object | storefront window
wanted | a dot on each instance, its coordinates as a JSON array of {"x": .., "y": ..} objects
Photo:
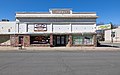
[
  {"x": 77, "y": 40},
  {"x": 88, "y": 40},
  {"x": 82, "y": 40},
  {"x": 39, "y": 39}
]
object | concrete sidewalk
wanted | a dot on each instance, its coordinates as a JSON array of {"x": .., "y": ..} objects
[
  {"x": 73, "y": 48},
  {"x": 61, "y": 48},
  {"x": 118, "y": 42}
]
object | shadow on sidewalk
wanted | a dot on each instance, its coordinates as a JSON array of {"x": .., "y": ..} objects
[{"x": 107, "y": 46}]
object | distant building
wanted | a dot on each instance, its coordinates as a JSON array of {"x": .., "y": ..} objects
[
  {"x": 6, "y": 30},
  {"x": 112, "y": 35},
  {"x": 100, "y": 30},
  {"x": 58, "y": 27}
]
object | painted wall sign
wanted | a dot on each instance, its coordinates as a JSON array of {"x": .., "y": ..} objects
[{"x": 40, "y": 27}]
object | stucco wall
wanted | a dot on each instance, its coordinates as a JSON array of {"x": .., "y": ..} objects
[
  {"x": 59, "y": 28},
  {"x": 83, "y": 27},
  {"x": 62, "y": 25},
  {"x": 116, "y": 38},
  {"x": 7, "y": 27}
]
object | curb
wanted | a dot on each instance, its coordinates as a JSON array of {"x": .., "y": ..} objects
[{"x": 59, "y": 49}]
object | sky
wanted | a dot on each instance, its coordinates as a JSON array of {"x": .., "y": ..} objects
[{"x": 107, "y": 10}]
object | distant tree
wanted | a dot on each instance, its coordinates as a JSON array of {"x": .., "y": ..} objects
[{"x": 114, "y": 26}]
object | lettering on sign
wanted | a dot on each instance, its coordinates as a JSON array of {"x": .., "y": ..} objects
[
  {"x": 40, "y": 27},
  {"x": 60, "y": 11},
  {"x": 104, "y": 27}
]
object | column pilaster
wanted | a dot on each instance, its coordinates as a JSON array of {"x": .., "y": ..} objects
[{"x": 51, "y": 40}]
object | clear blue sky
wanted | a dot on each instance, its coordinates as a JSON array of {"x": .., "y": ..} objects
[{"x": 107, "y": 10}]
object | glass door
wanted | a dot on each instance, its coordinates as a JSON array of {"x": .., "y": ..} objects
[
  {"x": 60, "y": 40},
  {"x": 21, "y": 40}
]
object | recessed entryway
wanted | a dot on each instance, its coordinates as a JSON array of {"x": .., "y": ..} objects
[{"x": 59, "y": 40}]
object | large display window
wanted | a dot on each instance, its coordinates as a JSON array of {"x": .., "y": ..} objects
[
  {"x": 88, "y": 40},
  {"x": 40, "y": 39},
  {"x": 82, "y": 40},
  {"x": 77, "y": 40}
]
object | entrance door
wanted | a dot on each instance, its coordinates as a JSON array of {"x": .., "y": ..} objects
[
  {"x": 60, "y": 40},
  {"x": 21, "y": 40}
]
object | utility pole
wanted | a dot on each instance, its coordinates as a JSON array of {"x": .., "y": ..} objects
[{"x": 111, "y": 33}]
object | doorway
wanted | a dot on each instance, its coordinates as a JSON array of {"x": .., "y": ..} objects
[
  {"x": 21, "y": 40},
  {"x": 59, "y": 40}
]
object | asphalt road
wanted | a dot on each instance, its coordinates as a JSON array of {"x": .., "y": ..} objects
[{"x": 60, "y": 63}]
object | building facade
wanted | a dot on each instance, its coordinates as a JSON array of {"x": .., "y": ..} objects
[
  {"x": 6, "y": 30},
  {"x": 58, "y": 27},
  {"x": 112, "y": 35}
]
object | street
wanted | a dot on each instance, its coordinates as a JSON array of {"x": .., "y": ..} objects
[{"x": 60, "y": 63}]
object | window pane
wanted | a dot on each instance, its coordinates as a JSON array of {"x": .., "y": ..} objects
[
  {"x": 77, "y": 40},
  {"x": 39, "y": 39},
  {"x": 76, "y": 43},
  {"x": 62, "y": 40},
  {"x": 58, "y": 39},
  {"x": 81, "y": 40},
  {"x": 88, "y": 40}
]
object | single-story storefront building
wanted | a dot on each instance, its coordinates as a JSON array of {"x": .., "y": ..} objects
[{"x": 112, "y": 35}]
